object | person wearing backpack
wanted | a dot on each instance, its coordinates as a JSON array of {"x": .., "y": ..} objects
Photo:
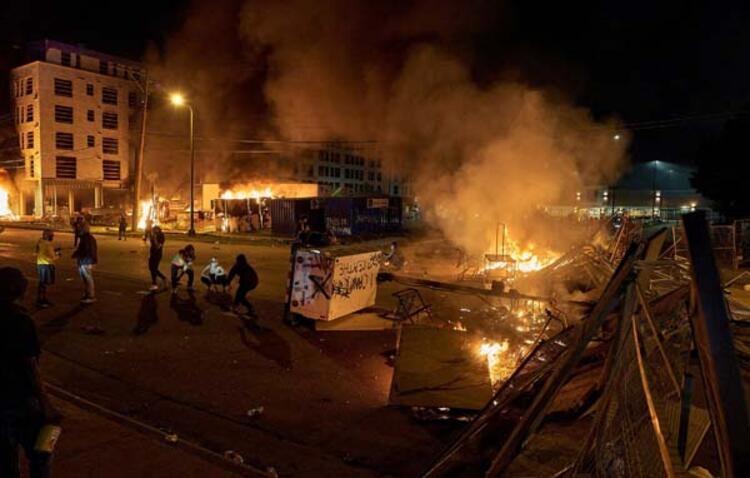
[{"x": 248, "y": 280}]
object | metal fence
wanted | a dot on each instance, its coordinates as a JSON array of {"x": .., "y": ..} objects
[{"x": 636, "y": 428}]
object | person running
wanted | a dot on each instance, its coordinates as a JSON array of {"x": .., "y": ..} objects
[
  {"x": 122, "y": 228},
  {"x": 46, "y": 254},
  {"x": 24, "y": 405},
  {"x": 182, "y": 263},
  {"x": 213, "y": 275},
  {"x": 86, "y": 257},
  {"x": 248, "y": 280},
  {"x": 155, "y": 254}
]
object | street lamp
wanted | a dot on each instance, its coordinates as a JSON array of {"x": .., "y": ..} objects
[{"x": 178, "y": 100}]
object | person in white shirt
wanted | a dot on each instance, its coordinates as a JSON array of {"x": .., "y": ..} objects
[{"x": 214, "y": 275}]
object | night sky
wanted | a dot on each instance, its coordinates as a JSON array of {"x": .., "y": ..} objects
[{"x": 640, "y": 61}]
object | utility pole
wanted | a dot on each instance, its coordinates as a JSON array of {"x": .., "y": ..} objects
[{"x": 139, "y": 161}]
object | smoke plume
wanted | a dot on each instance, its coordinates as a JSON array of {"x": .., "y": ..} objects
[{"x": 419, "y": 78}]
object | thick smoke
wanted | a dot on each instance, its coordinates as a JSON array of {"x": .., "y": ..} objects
[
  {"x": 480, "y": 152},
  {"x": 414, "y": 76}
]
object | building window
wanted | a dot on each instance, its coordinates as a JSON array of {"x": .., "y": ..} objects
[
  {"x": 63, "y": 87},
  {"x": 65, "y": 167},
  {"x": 90, "y": 142},
  {"x": 110, "y": 146},
  {"x": 111, "y": 170},
  {"x": 89, "y": 89},
  {"x": 31, "y": 167},
  {"x": 132, "y": 99},
  {"x": 109, "y": 96},
  {"x": 29, "y": 140},
  {"x": 64, "y": 114},
  {"x": 78, "y": 60},
  {"x": 65, "y": 58},
  {"x": 29, "y": 85},
  {"x": 29, "y": 113},
  {"x": 109, "y": 120},
  {"x": 64, "y": 140},
  {"x": 103, "y": 67},
  {"x": 90, "y": 115}
]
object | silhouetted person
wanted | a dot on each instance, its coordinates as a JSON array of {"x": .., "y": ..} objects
[
  {"x": 86, "y": 257},
  {"x": 77, "y": 224},
  {"x": 24, "y": 406},
  {"x": 122, "y": 227},
  {"x": 248, "y": 280},
  {"x": 155, "y": 253}
]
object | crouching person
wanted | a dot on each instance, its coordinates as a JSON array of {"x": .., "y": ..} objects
[
  {"x": 213, "y": 275},
  {"x": 182, "y": 264},
  {"x": 248, "y": 280}
]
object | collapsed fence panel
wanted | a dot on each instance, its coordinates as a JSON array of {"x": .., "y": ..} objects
[{"x": 714, "y": 343}]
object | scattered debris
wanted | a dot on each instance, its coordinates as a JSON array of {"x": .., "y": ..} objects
[
  {"x": 234, "y": 457},
  {"x": 254, "y": 412}
]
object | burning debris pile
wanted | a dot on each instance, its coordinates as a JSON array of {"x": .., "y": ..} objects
[{"x": 624, "y": 346}]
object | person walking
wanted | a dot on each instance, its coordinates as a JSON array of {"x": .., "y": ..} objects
[
  {"x": 182, "y": 264},
  {"x": 213, "y": 275},
  {"x": 122, "y": 228},
  {"x": 86, "y": 257},
  {"x": 248, "y": 280},
  {"x": 24, "y": 406},
  {"x": 46, "y": 254},
  {"x": 155, "y": 254}
]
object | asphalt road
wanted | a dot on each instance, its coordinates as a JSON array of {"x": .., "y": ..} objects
[{"x": 183, "y": 364}]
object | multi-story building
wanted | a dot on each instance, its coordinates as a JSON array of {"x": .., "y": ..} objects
[
  {"x": 348, "y": 169},
  {"x": 73, "y": 110}
]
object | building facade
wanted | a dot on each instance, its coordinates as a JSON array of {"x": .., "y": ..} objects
[
  {"x": 74, "y": 110},
  {"x": 348, "y": 169}
]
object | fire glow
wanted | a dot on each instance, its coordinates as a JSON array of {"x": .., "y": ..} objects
[
  {"x": 4, "y": 203},
  {"x": 146, "y": 211},
  {"x": 525, "y": 260},
  {"x": 250, "y": 193}
]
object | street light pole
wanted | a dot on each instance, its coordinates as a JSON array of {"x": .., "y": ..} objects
[
  {"x": 178, "y": 100},
  {"x": 191, "y": 231}
]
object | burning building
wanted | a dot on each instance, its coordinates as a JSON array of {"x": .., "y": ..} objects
[{"x": 72, "y": 110}]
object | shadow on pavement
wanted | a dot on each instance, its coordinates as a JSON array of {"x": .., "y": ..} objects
[
  {"x": 148, "y": 314},
  {"x": 59, "y": 323},
  {"x": 223, "y": 300},
  {"x": 187, "y": 309},
  {"x": 266, "y": 342}
]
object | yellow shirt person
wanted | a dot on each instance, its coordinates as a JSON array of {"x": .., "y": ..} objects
[{"x": 45, "y": 252}]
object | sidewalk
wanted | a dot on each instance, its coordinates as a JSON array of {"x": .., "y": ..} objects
[{"x": 94, "y": 446}]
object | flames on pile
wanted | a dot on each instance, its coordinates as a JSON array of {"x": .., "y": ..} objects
[{"x": 245, "y": 192}]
